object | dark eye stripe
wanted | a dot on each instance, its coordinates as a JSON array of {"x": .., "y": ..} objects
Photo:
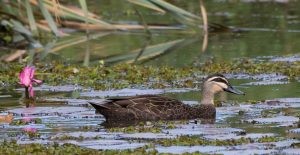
[{"x": 220, "y": 80}]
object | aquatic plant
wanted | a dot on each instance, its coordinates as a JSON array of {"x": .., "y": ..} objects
[
  {"x": 79, "y": 138},
  {"x": 128, "y": 75},
  {"x": 25, "y": 121},
  {"x": 136, "y": 129},
  {"x": 13, "y": 148},
  {"x": 196, "y": 140},
  {"x": 26, "y": 79}
]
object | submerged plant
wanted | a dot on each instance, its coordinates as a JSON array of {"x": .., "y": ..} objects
[{"x": 26, "y": 79}]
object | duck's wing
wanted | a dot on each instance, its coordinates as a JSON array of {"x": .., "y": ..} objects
[{"x": 153, "y": 106}]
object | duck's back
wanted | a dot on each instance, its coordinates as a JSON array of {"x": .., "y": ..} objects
[{"x": 143, "y": 107}]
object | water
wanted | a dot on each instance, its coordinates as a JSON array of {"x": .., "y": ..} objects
[
  {"x": 270, "y": 107},
  {"x": 268, "y": 29},
  {"x": 64, "y": 119}
]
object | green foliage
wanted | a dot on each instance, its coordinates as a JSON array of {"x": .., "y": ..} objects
[
  {"x": 12, "y": 148},
  {"x": 136, "y": 129},
  {"x": 23, "y": 122},
  {"x": 128, "y": 75},
  {"x": 196, "y": 140},
  {"x": 79, "y": 138}
]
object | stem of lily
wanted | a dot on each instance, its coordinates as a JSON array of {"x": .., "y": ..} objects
[{"x": 26, "y": 93}]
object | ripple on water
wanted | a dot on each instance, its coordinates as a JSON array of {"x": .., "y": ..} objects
[
  {"x": 234, "y": 136},
  {"x": 293, "y": 58},
  {"x": 291, "y": 151},
  {"x": 88, "y": 135},
  {"x": 248, "y": 152},
  {"x": 259, "y": 83},
  {"x": 106, "y": 144},
  {"x": 189, "y": 149},
  {"x": 261, "y": 77},
  {"x": 48, "y": 110},
  {"x": 294, "y": 130},
  {"x": 277, "y": 119},
  {"x": 288, "y": 100},
  {"x": 64, "y": 88},
  {"x": 146, "y": 136},
  {"x": 195, "y": 129},
  {"x": 227, "y": 111},
  {"x": 294, "y": 133},
  {"x": 74, "y": 102},
  {"x": 259, "y": 148}
]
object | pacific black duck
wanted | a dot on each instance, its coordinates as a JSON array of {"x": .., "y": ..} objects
[{"x": 155, "y": 107}]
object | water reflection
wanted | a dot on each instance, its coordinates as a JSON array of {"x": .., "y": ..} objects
[{"x": 258, "y": 31}]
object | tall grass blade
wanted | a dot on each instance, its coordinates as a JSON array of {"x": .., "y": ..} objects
[
  {"x": 205, "y": 26},
  {"x": 174, "y": 9},
  {"x": 75, "y": 41},
  {"x": 47, "y": 49},
  {"x": 30, "y": 57},
  {"x": 149, "y": 52},
  {"x": 87, "y": 47},
  {"x": 147, "y": 4},
  {"x": 179, "y": 14},
  {"x": 30, "y": 16},
  {"x": 69, "y": 13},
  {"x": 49, "y": 18},
  {"x": 7, "y": 7},
  {"x": 148, "y": 35},
  {"x": 18, "y": 27},
  {"x": 204, "y": 16}
]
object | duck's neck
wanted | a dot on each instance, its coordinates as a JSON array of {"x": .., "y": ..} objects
[{"x": 207, "y": 97}]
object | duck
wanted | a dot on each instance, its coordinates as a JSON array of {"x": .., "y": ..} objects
[{"x": 156, "y": 107}]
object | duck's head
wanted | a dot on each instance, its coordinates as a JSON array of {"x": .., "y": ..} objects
[{"x": 217, "y": 83}]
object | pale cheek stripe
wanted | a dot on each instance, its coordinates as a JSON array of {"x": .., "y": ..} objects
[{"x": 222, "y": 85}]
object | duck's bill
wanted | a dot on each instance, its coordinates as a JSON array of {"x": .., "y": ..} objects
[{"x": 234, "y": 91}]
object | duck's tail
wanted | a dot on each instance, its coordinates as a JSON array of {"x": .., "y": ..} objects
[{"x": 99, "y": 106}]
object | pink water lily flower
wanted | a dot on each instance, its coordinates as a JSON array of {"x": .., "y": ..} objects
[{"x": 27, "y": 80}]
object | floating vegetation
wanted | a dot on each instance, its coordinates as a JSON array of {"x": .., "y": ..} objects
[
  {"x": 79, "y": 138},
  {"x": 134, "y": 129},
  {"x": 26, "y": 121},
  {"x": 128, "y": 75},
  {"x": 153, "y": 127},
  {"x": 196, "y": 140},
  {"x": 14, "y": 148}
]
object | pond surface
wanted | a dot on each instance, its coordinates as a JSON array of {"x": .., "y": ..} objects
[
  {"x": 267, "y": 28},
  {"x": 270, "y": 108},
  {"x": 62, "y": 115}
]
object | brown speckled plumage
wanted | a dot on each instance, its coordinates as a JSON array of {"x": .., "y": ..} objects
[{"x": 154, "y": 107}]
